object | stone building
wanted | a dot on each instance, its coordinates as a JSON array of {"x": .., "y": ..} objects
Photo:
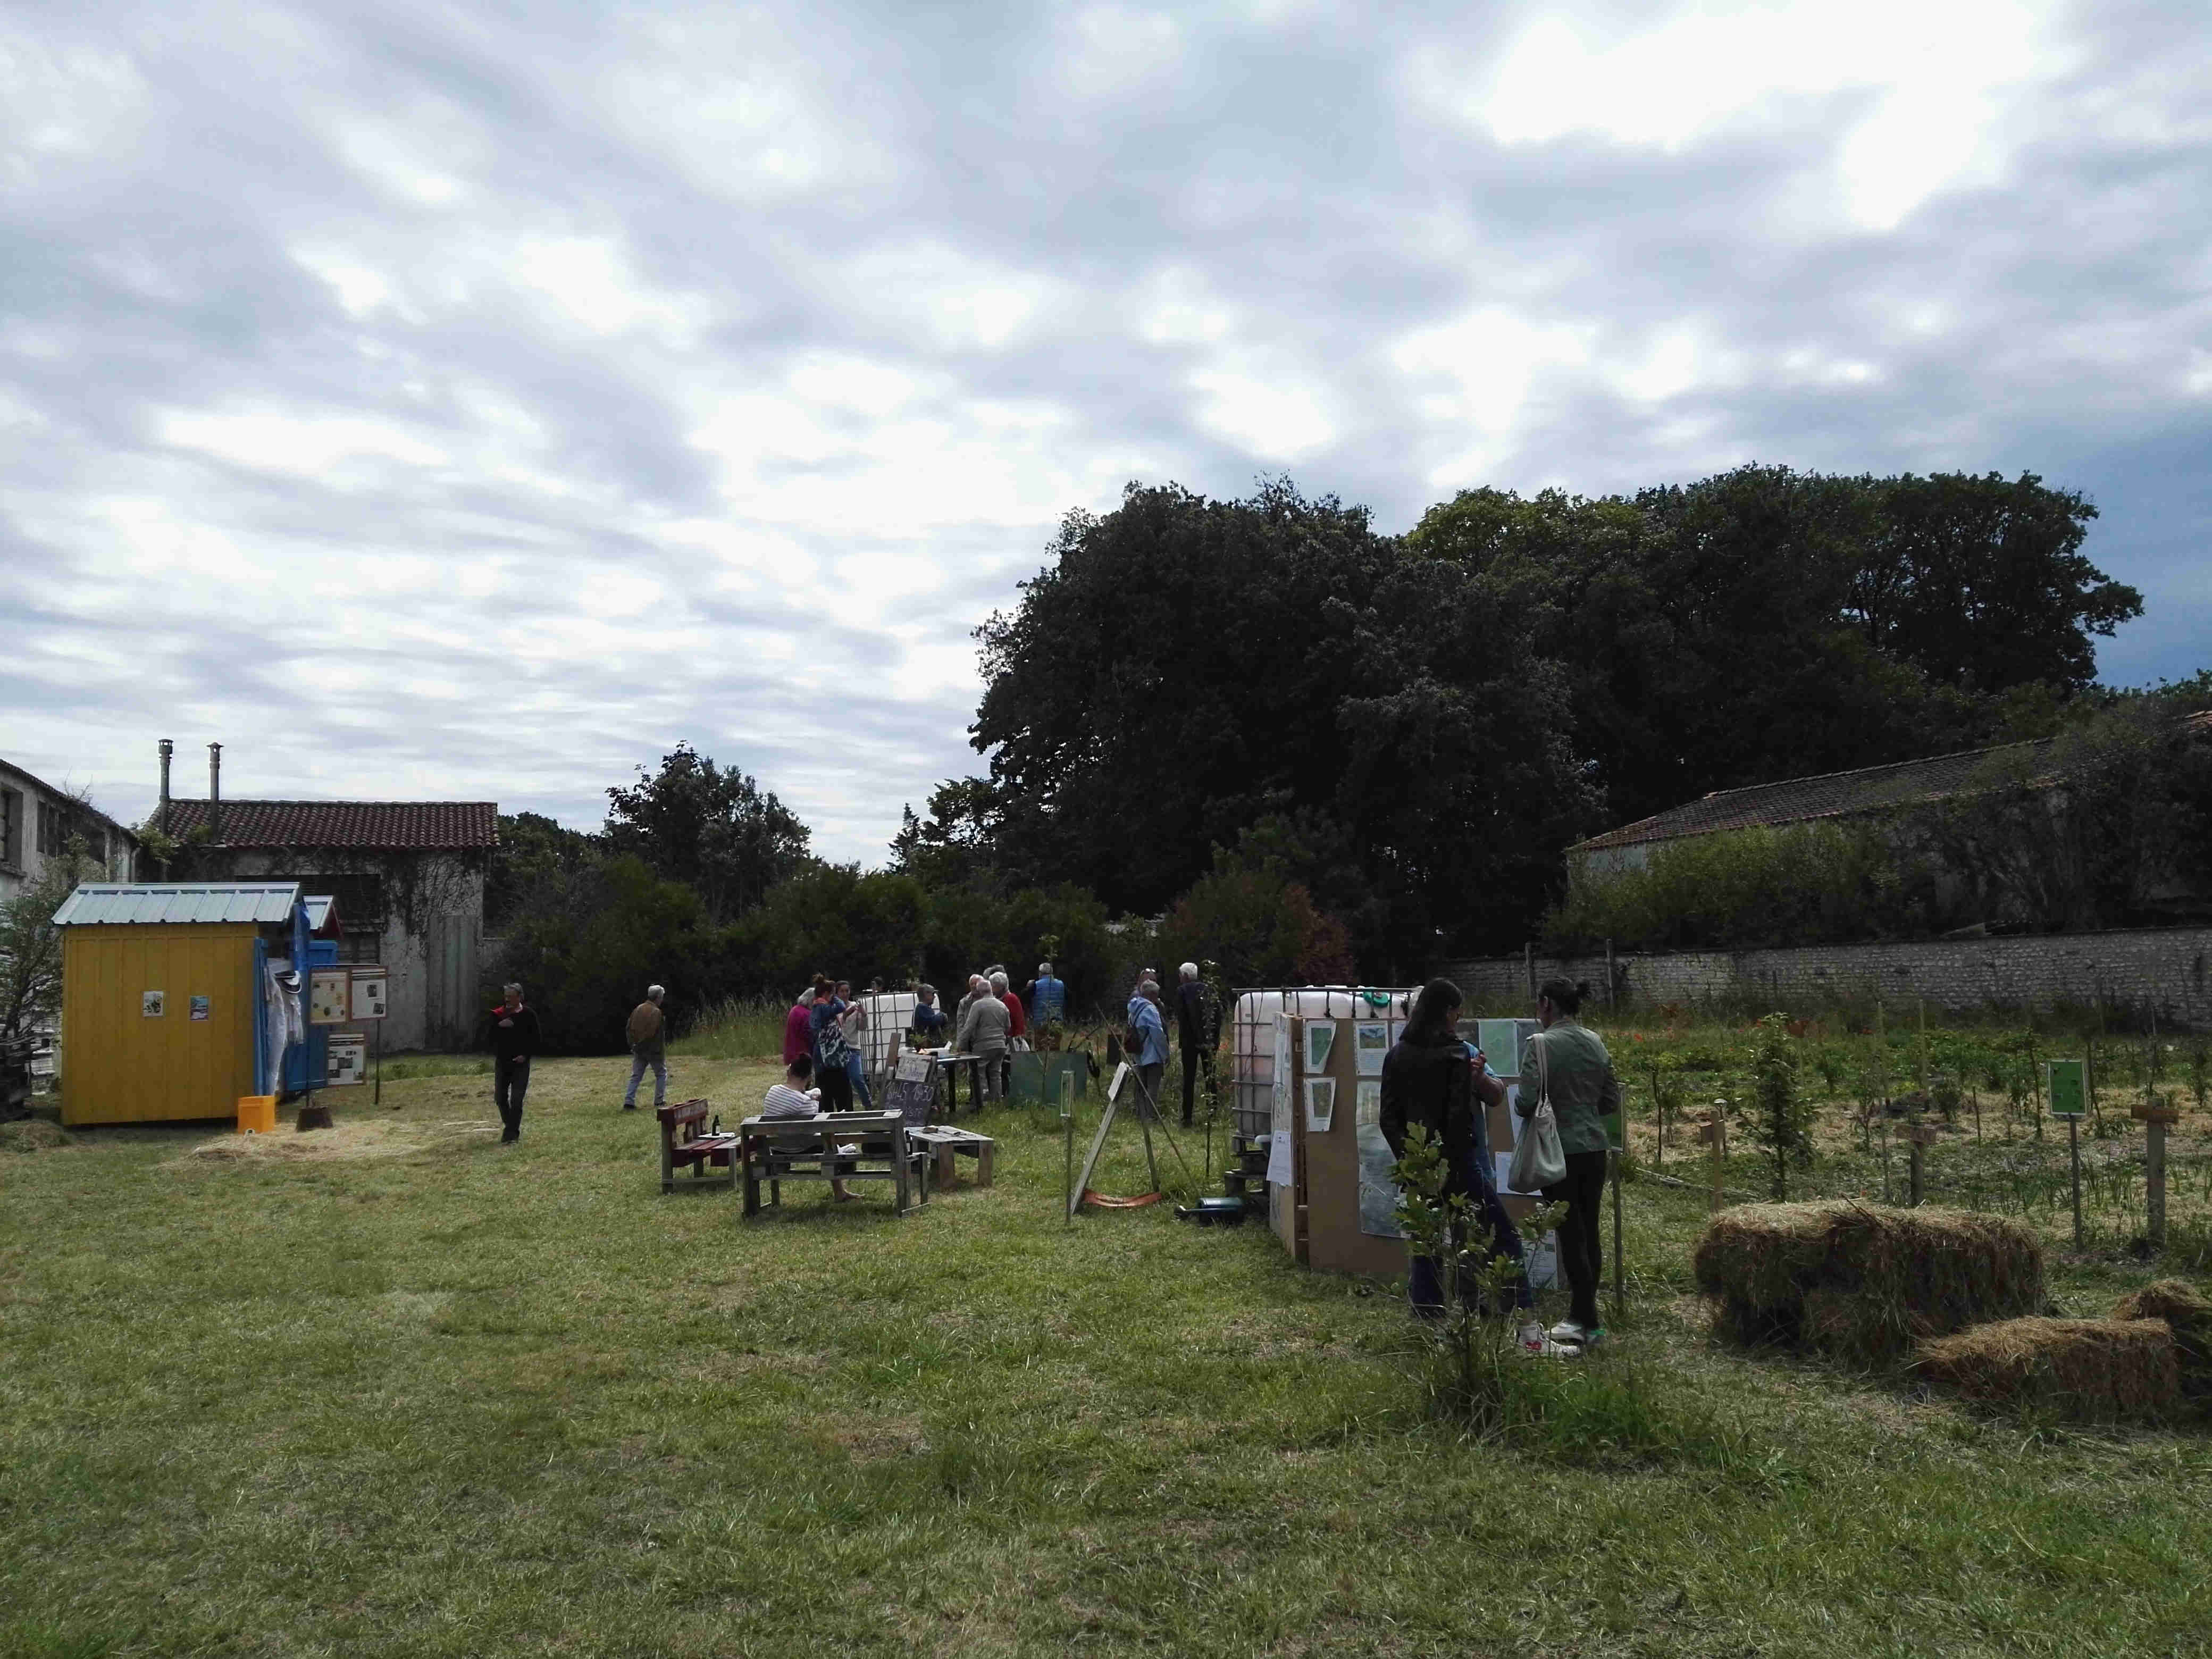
[
  {"x": 36, "y": 824},
  {"x": 408, "y": 878}
]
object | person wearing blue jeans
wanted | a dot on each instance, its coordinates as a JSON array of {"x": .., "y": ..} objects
[
  {"x": 854, "y": 1019},
  {"x": 649, "y": 1046}
]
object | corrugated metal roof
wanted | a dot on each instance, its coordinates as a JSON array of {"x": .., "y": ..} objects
[{"x": 152, "y": 902}]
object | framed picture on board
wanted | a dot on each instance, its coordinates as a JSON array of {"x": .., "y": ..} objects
[{"x": 1370, "y": 1045}]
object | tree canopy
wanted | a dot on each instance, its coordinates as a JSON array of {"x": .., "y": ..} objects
[
  {"x": 712, "y": 828},
  {"x": 1413, "y": 728}
]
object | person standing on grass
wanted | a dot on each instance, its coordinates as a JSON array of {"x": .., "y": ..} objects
[
  {"x": 855, "y": 1018},
  {"x": 1566, "y": 1062},
  {"x": 1193, "y": 1027},
  {"x": 514, "y": 1041},
  {"x": 830, "y": 1049},
  {"x": 799, "y": 1028},
  {"x": 1017, "y": 1026},
  {"x": 793, "y": 1097},
  {"x": 1432, "y": 1078},
  {"x": 649, "y": 1046},
  {"x": 1151, "y": 1059},
  {"x": 983, "y": 1031},
  {"x": 976, "y": 988},
  {"x": 1048, "y": 997}
]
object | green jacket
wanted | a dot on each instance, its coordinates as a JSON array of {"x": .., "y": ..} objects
[{"x": 1569, "y": 1062}]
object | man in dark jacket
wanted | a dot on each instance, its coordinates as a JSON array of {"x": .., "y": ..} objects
[
  {"x": 514, "y": 1041},
  {"x": 1197, "y": 1031},
  {"x": 649, "y": 1046}
]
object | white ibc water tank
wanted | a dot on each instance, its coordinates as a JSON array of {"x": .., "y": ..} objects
[{"x": 1252, "y": 1035}]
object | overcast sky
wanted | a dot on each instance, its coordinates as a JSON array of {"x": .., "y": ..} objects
[{"x": 473, "y": 401}]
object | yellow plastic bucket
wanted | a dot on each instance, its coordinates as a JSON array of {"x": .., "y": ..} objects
[{"x": 257, "y": 1114}]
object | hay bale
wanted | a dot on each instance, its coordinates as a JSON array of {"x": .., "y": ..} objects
[
  {"x": 1864, "y": 1281},
  {"x": 2097, "y": 1370},
  {"x": 2189, "y": 1314},
  {"x": 33, "y": 1134}
]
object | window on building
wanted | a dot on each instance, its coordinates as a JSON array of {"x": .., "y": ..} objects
[
  {"x": 11, "y": 828},
  {"x": 50, "y": 828},
  {"x": 360, "y": 898}
]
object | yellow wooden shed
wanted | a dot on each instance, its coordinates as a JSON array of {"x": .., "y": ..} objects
[{"x": 162, "y": 1001}]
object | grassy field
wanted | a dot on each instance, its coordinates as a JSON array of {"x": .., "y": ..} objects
[{"x": 398, "y": 1390}]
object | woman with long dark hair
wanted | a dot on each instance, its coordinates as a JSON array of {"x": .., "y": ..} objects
[
  {"x": 1433, "y": 1078},
  {"x": 1568, "y": 1065}
]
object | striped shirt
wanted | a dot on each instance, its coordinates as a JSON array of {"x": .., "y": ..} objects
[{"x": 784, "y": 1101}]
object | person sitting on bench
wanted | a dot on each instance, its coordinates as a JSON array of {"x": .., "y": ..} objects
[{"x": 793, "y": 1099}]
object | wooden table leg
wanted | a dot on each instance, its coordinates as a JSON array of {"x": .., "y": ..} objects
[{"x": 983, "y": 1164}]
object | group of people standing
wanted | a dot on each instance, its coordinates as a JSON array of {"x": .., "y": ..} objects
[
  {"x": 830, "y": 1028},
  {"x": 1433, "y": 1077},
  {"x": 1197, "y": 1031}
]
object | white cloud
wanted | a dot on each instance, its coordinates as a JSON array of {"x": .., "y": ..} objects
[
  {"x": 1927, "y": 79},
  {"x": 308, "y": 445},
  {"x": 773, "y": 341},
  {"x": 1108, "y": 52},
  {"x": 1274, "y": 419}
]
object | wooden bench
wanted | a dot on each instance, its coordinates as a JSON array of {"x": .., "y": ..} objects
[
  {"x": 776, "y": 1150},
  {"x": 682, "y": 1141},
  {"x": 942, "y": 1144}
]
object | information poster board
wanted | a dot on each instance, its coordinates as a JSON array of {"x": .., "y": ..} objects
[
  {"x": 330, "y": 996},
  {"x": 346, "y": 1060},
  {"x": 370, "y": 992}
]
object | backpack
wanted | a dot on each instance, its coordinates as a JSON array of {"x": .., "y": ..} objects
[{"x": 830, "y": 1040}]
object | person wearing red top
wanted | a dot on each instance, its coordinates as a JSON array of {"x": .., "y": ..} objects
[
  {"x": 1017, "y": 1025},
  {"x": 798, "y": 1028}
]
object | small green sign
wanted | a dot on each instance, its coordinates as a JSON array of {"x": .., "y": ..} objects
[{"x": 2067, "y": 1081}]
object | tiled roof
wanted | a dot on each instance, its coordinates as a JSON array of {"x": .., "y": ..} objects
[
  {"x": 98, "y": 902},
  {"x": 1840, "y": 794},
  {"x": 368, "y": 826},
  {"x": 1831, "y": 795}
]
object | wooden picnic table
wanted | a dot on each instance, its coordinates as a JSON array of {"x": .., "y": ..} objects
[
  {"x": 776, "y": 1150},
  {"x": 942, "y": 1144}
]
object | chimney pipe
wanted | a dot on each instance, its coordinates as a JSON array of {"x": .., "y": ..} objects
[
  {"x": 162, "y": 819},
  {"x": 214, "y": 794}
]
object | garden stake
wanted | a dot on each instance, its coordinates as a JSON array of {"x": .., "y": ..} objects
[
  {"x": 1912, "y": 1164},
  {"x": 1619, "y": 1277},
  {"x": 1067, "y": 1136},
  {"x": 2074, "y": 1152}
]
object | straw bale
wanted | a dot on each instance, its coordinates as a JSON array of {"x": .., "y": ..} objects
[
  {"x": 1883, "y": 1277},
  {"x": 2100, "y": 1369},
  {"x": 2189, "y": 1313}
]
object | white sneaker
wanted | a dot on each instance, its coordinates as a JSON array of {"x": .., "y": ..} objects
[{"x": 1567, "y": 1331}]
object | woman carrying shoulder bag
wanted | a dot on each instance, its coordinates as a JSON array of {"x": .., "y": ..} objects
[
  {"x": 1432, "y": 1078},
  {"x": 1568, "y": 1065}
]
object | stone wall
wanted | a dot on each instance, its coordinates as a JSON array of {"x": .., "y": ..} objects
[{"x": 2166, "y": 969}]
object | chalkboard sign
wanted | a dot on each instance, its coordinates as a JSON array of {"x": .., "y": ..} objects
[{"x": 913, "y": 1089}]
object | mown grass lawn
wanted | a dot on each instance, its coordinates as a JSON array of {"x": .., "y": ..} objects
[{"x": 441, "y": 1397}]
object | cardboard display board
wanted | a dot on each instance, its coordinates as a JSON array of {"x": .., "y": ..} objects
[{"x": 1338, "y": 1210}]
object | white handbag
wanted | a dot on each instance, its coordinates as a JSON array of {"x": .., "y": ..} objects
[{"x": 1539, "y": 1160}]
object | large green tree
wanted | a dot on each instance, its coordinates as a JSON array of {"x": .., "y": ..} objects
[
  {"x": 1185, "y": 668},
  {"x": 1766, "y": 623},
  {"x": 712, "y": 828}
]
